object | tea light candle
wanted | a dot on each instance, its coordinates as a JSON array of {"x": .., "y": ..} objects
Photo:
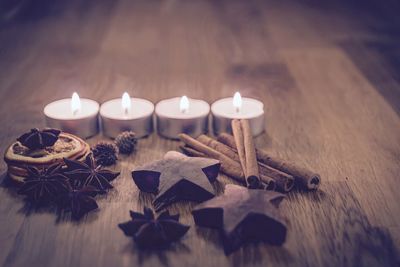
[
  {"x": 73, "y": 115},
  {"x": 236, "y": 107},
  {"x": 182, "y": 115},
  {"x": 127, "y": 114}
]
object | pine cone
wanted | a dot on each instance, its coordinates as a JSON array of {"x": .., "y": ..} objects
[
  {"x": 105, "y": 153},
  {"x": 126, "y": 142}
]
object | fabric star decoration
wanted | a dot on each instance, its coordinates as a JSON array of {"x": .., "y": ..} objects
[
  {"x": 87, "y": 173},
  {"x": 243, "y": 215},
  {"x": 149, "y": 232},
  {"x": 44, "y": 184},
  {"x": 177, "y": 177},
  {"x": 79, "y": 201},
  {"x": 36, "y": 139}
]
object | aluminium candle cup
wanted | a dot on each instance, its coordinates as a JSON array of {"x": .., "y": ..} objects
[
  {"x": 84, "y": 123},
  {"x": 171, "y": 121},
  {"x": 138, "y": 119},
  {"x": 223, "y": 112}
]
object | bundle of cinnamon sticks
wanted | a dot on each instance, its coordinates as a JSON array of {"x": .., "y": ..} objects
[{"x": 242, "y": 161}]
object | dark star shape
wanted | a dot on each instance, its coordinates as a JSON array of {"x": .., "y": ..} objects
[
  {"x": 88, "y": 173},
  {"x": 44, "y": 184},
  {"x": 243, "y": 216},
  {"x": 178, "y": 177},
  {"x": 79, "y": 201},
  {"x": 150, "y": 232},
  {"x": 36, "y": 139}
]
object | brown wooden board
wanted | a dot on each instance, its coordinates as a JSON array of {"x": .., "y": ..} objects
[{"x": 331, "y": 104}]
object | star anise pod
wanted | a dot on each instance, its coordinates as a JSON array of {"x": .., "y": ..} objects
[
  {"x": 36, "y": 139},
  {"x": 148, "y": 231},
  {"x": 44, "y": 184},
  {"x": 79, "y": 201},
  {"x": 88, "y": 173}
]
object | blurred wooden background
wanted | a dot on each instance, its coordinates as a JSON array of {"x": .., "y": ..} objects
[{"x": 328, "y": 74}]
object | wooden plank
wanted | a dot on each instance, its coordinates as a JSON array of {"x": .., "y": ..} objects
[
  {"x": 337, "y": 231},
  {"x": 353, "y": 138},
  {"x": 321, "y": 111}
]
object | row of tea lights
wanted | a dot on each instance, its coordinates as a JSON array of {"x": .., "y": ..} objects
[{"x": 173, "y": 116}]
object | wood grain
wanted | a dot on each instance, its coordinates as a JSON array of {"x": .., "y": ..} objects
[{"x": 326, "y": 72}]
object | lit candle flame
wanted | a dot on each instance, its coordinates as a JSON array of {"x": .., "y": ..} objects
[
  {"x": 75, "y": 103},
  {"x": 184, "y": 104},
  {"x": 237, "y": 101},
  {"x": 126, "y": 103}
]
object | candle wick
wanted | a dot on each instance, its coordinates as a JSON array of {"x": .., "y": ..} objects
[{"x": 237, "y": 109}]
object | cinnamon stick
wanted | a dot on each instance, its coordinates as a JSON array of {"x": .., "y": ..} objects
[
  {"x": 192, "y": 152},
  {"x": 220, "y": 147},
  {"x": 284, "y": 181},
  {"x": 245, "y": 147},
  {"x": 227, "y": 139},
  {"x": 266, "y": 183},
  {"x": 303, "y": 176},
  {"x": 228, "y": 166},
  {"x": 239, "y": 142},
  {"x": 252, "y": 171}
]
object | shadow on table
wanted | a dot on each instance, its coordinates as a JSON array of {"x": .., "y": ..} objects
[
  {"x": 250, "y": 253},
  {"x": 10, "y": 186},
  {"x": 314, "y": 196},
  {"x": 163, "y": 254},
  {"x": 28, "y": 208}
]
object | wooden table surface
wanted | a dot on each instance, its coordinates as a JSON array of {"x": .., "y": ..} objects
[{"x": 327, "y": 73}]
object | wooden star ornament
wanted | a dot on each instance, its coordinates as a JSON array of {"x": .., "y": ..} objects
[
  {"x": 243, "y": 215},
  {"x": 177, "y": 177}
]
